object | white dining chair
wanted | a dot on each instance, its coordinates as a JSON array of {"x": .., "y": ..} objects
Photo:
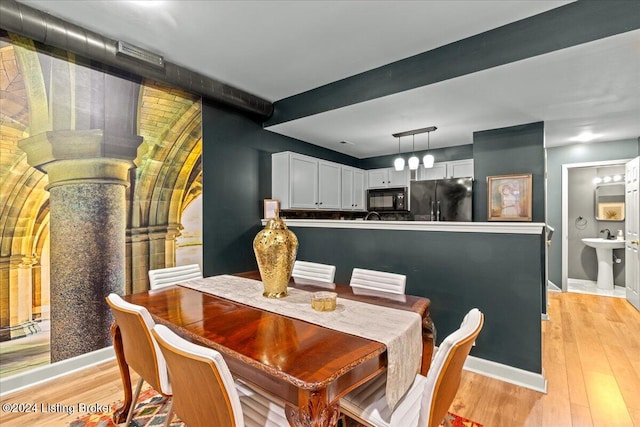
[
  {"x": 162, "y": 277},
  {"x": 314, "y": 271},
  {"x": 378, "y": 281},
  {"x": 429, "y": 398},
  {"x": 205, "y": 393},
  {"x": 141, "y": 350}
]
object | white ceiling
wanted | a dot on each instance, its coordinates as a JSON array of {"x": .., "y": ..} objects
[{"x": 275, "y": 49}]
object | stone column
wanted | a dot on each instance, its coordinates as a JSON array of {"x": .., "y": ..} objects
[
  {"x": 149, "y": 248},
  {"x": 87, "y": 225},
  {"x": 16, "y": 317}
]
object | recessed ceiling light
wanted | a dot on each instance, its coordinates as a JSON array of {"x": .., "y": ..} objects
[
  {"x": 585, "y": 137},
  {"x": 147, "y": 3}
]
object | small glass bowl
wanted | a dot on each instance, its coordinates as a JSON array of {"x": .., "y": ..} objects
[{"x": 323, "y": 301}]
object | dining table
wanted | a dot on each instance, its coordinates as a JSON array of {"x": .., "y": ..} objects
[{"x": 307, "y": 366}]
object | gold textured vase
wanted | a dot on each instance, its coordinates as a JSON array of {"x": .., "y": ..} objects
[{"x": 275, "y": 247}]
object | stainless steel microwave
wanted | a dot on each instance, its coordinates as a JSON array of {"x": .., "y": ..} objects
[{"x": 387, "y": 199}]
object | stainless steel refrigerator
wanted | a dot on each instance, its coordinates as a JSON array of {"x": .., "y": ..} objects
[{"x": 441, "y": 199}]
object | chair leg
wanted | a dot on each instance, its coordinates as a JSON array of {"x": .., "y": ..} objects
[
  {"x": 134, "y": 401},
  {"x": 167, "y": 423}
]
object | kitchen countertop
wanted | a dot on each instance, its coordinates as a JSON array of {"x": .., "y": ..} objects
[{"x": 449, "y": 226}]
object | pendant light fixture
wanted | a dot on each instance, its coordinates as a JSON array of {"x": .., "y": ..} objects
[
  {"x": 428, "y": 159},
  {"x": 414, "y": 162},
  {"x": 398, "y": 163}
]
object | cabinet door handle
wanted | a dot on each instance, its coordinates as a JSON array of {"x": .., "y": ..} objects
[{"x": 320, "y": 202}]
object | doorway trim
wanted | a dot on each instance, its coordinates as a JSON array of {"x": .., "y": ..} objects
[{"x": 565, "y": 208}]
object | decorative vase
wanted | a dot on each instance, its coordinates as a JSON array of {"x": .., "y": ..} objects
[{"x": 275, "y": 247}]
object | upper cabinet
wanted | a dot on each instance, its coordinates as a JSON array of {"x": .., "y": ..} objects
[
  {"x": 452, "y": 169},
  {"x": 329, "y": 185},
  {"x": 387, "y": 178},
  {"x": 303, "y": 182},
  {"x": 352, "y": 189}
]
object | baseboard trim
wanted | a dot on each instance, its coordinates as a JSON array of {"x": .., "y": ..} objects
[
  {"x": 506, "y": 373},
  {"x": 36, "y": 376},
  {"x": 584, "y": 282},
  {"x": 551, "y": 287}
]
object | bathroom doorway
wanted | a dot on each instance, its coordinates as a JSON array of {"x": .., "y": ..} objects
[{"x": 580, "y": 219}]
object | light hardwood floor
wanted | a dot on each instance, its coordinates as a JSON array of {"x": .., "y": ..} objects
[{"x": 591, "y": 358}]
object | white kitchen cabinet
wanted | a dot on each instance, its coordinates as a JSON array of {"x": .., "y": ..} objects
[
  {"x": 452, "y": 169},
  {"x": 303, "y": 182},
  {"x": 329, "y": 185},
  {"x": 387, "y": 178},
  {"x": 438, "y": 171},
  {"x": 352, "y": 189},
  {"x": 460, "y": 168}
]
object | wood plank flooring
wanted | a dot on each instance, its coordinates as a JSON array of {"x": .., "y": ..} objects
[{"x": 591, "y": 358}]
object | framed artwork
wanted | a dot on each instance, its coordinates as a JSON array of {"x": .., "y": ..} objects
[
  {"x": 611, "y": 211},
  {"x": 509, "y": 197},
  {"x": 271, "y": 208}
]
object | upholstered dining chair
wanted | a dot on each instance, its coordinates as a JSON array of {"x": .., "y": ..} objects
[
  {"x": 162, "y": 277},
  {"x": 314, "y": 271},
  {"x": 429, "y": 398},
  {"x": 205, "y": 393},
  {"x": 378, "y": 281},
  {"x": 140, "y": 348}
]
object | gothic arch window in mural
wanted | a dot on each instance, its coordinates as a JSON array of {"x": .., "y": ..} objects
[
  {"x": 128, "y": 221},
  {"x": 189, "y": 243}
]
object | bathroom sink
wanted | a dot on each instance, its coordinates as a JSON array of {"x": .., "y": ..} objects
[
  {"x": 600, "y": 243},
  {"x": 604, "y": 252}
]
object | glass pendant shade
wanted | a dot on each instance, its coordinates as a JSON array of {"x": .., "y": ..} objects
[
  {"x": 414, "y": 162},
  {"x": 398, "y": 163},
  {"x": 428, "y": 160}
]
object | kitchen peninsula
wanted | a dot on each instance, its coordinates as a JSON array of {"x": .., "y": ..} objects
[{"x": 497, "y": 267}]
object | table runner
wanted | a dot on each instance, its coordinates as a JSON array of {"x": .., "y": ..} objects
[{"x": 399, "y": 330}]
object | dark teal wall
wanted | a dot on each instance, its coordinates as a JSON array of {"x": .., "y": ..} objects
[
  {"x": 501, "y": 274},
  {"x": 236, "y": 177},
  {"x": 511, "y": 150},
  {"x": 577, "y": 153},
  {"x": 456, "y": 270}
]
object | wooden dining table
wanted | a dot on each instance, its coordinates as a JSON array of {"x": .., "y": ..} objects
[{"x": 308, "y": 366}]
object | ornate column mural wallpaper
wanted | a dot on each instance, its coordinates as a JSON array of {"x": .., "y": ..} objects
[{"x": 98, "y": 168}]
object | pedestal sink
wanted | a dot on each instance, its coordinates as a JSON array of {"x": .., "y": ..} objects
[{"x": 604, "y": 251}]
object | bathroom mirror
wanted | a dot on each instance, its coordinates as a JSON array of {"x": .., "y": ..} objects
[{"x": 610, "y": 202}]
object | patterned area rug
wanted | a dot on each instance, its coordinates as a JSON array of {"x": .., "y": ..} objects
[{"x": 151, "y": 411}]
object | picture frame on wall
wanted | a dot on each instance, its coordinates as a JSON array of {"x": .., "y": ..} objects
[
  {"x": 271, "y": 208},
  {"x": 613, "y": 211},
  {"x": 509, "y": 197}
]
